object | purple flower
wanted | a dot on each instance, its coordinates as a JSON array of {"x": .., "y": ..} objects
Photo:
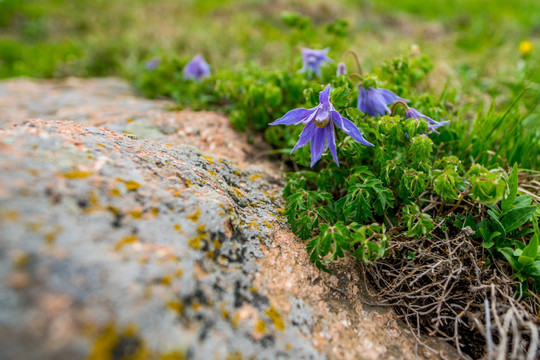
[
  {"x": 153, "y": 63},
  {"x": 313, "y": 59},
  {"x": 374, "y": 102},
  {"x": 412, "y": 113},
  {"x": 319, "y": 129},
  {"x": 341, "y": 69},
  {"x": 196, "y": 69}
]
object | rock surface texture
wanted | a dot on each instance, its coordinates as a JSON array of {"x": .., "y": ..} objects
[{"x": 128, "y": 231}]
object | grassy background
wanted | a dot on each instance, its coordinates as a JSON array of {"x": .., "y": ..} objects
[{"x": 474, "y": 45}]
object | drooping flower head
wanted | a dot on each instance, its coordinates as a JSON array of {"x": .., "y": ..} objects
[
  {"x": 153, "y": 63},
  {"x": 319, "y": 127},
  {"x": 375, "y": 101},
  {"x": 196, "y": 69},
  {"x": 412, "y": 113},
  {"x": 313, "y": 60},
  {"x": 341, "y": 69}
]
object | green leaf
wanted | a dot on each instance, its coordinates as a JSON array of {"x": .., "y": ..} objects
[
  {"x": 508, "y": 253},
  {"x": 530, "y": 252},
  {"x": 506, "y": 203},
  {"x": 516, "y": 217}
]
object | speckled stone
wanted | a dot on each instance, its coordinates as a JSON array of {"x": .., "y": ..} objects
[{"x": 123, "y": 246}]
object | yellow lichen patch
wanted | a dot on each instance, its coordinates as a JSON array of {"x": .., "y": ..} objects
[
  {"x": 288, "y": 346},
  {"x": 281, "y": 211},
  {"x": 102, "y": 145},
  {"x": 276, "y": 318},
  {"x": 238, "y": 194},
  {"x": 195, "y": 216},
  {"x": 131, "y": 185},
  {"x": 166, "y": 280},
  {"x": 130, "y": 120},
  {"x": 255, "y": 177},
  {"x": 196, "y": 241},
  {"x": 137, "y": 213},
  {"x": 208, "y": 158},
  {"x": 236, "y": 172},
  {"x": 253, "y": 225},
  {"x": 260, "y": 326},
  {"x": 154, "y": 211},
  {"x": 34, "y": 172},
  {"x": 21, "y": 260},
  {"x": 267, "y": 224},
  {"x": 178, "y": 228},
  {"x": 236, "y": 320},
  {"x": 224, "y": 311},
  {"x": 127, "y": 240},
  {"x": 115, "y": 192},
  {"x": 76, "y": 174},
  {"x": 212, "y": 172},
  {"x": 179, "y": 273},
  {"x": 113, "y": 210},
  {"x": 12, "y": 215},
  {"x": 176, "y": 306},
  {"x": 235, "y": 355},
  {"x": 94, "y": 200},
  {"x": 196, "y": 306},
  {"x": 174, "y": 355},
  {"x": 35, "y": 227},
  {"x": 109, "y": 339},
  {"x": 217, "y": 244},
  {"x": 50, "y": 237}
]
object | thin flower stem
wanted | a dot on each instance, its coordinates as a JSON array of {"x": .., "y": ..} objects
[
  {"x": 358, "y": 76},
  {"x": 355, "y": 59},
  {"x": 398, "y": 103},
  {"x": 294, "y": 50}
]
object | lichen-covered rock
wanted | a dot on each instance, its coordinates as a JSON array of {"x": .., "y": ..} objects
[{"x": 117, "y": 247}]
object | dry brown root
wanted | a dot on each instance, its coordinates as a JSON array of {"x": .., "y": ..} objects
[{"x": 446, "y": 291}]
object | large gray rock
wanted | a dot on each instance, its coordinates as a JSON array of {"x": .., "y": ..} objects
[{"x": 118, "y": 247}]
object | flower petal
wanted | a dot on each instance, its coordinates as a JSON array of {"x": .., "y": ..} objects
[
  {"x": 317, "y": 145},
  {"x": 389, "y": 96},
  {"x": 305, "y": 136},
  {"x": 371, "y": 102},
  {"x": 349, "y": 128},
  {"x": 331, "y": 141},
  {"x": 324, "y": 96},
  {"x": 293, "y": 117}
]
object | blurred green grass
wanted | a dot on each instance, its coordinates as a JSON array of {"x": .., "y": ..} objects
[
  {"x": 473, "y": 44},
  {"x": 98, "y": 37}
]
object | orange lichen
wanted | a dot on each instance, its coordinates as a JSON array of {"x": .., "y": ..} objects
[{"x": 178, "y": 228}]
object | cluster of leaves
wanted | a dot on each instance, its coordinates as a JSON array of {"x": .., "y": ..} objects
[{"x": 405, "y": 184}]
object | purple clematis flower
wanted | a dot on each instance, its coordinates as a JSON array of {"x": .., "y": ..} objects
[
  {"x": 374, "y": 102},
  {"x": 319, "y": 129},
  {"x": 313, "y": 59},
  {"x": 412, "y": 113},
  {"x": 341, "y": 69},
  {"x": 153, "y": 64},
  {"x": 196, "y": 69}
]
